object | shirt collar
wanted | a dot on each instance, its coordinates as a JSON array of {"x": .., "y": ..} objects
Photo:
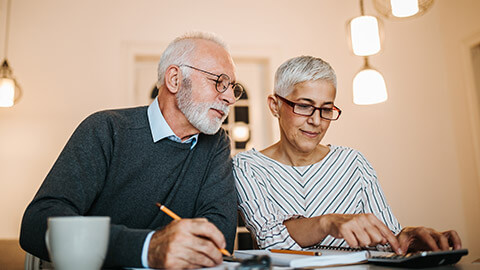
[{"x": 160, "y": 128}]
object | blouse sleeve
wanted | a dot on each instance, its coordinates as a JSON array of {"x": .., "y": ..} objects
[
  {"x": 374, "y": 200},
  {"x": 261, "y": 216}
]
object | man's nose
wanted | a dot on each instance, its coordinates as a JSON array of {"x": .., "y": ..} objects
[{"x": 228, "y": 96}]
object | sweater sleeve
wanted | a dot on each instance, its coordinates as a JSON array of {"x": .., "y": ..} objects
[
  {"x": 262, "y": 217},
  {"x": 71, "y": 187},
  {"x": 374, "y": 200},
  {"x": 217, "y": 200}
]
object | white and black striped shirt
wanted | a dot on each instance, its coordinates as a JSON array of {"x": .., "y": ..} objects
[{"x": 270, "y": 192}]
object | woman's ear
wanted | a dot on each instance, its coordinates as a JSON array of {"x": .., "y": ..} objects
[
  {"x": 173, "y": 77},
  {"x": 272, "y": 101}
]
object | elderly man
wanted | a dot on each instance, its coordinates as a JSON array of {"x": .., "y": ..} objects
[{"x": 119, "y": 163}]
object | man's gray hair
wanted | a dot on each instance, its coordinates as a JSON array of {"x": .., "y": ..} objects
[
  {"x": 179, "y": 52},
  {"x": 302, "y": 69}
]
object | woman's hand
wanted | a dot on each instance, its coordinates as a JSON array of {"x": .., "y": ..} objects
[
  {"x": 359, "y": 230},
  {"x": 421, "y": 238}
]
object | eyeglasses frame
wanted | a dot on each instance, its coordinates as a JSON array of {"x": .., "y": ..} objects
[
  {"x": 292, "y": 104},
  {"x": 217, "y": 81}
]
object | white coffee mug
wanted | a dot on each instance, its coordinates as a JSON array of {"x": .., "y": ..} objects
[{"x": 77, "y": 242}]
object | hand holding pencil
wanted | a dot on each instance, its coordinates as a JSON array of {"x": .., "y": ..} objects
[
  {"x": 186, "y": 243},
  {"x": 176, "y": 217}
]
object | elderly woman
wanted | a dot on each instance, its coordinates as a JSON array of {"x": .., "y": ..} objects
[{"x": 299, "y": 193}]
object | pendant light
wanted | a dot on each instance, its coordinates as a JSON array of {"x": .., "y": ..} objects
[
  {"x": 402, "y": 9},
  {"x": 369, "y": 86},
  {"x": 364, "y": 34},
  {"x": 10, "y": 91}
]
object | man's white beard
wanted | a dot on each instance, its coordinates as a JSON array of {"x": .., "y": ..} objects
[{"x": 197, "y": 113}]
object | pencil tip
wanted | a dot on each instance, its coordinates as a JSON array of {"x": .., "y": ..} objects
[
  {"x": 225, "y": 252},
  {"x": 158, "y": 204}
]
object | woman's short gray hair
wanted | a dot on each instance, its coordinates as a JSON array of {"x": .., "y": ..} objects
[
  {"x": 179, "y": 52},
  {"x": 302, "y": 69}
]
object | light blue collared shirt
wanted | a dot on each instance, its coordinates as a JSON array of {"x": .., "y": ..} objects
[{"x": 160, "y": 130}]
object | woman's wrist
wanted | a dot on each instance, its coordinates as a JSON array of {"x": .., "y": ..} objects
[{"x": 323, "y": 226}]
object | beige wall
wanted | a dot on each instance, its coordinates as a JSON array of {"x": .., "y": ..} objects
[{"x": 71, "y": 58}]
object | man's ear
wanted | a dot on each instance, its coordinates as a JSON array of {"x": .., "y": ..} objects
[
  {"x": 273, "y": 105},
  {"x": 173, "y": 77}
]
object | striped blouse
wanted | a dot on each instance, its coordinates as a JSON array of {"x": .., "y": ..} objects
[{"x": 270, "y": 192}]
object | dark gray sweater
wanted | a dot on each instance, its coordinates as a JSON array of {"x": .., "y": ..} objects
[{"x": 111, "y": 167}]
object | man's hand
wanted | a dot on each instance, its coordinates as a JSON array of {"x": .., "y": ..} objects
[
  {"x": 360, "y": 230},
  {"x": 421, "y": 238},
  {"x": 186, "y": 243}
]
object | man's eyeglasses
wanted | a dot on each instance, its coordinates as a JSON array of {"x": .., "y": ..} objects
[
  {"x": 222, "y": 82},
  {"x": 309, "y": 110}
]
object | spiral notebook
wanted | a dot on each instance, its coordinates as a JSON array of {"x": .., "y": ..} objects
[
  {"x": 333, "y": 256},
  {"x": 326, "y": 257}
]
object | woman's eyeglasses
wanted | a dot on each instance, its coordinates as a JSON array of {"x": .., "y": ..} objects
[{"x": 308, "y": 110}]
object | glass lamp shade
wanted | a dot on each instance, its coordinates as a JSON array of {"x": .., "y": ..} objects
[
  {"x": 240, "y": 132},
  {"x": 404, "y": 8},
  {"x": 365, "y": 35},
  {"x": 369, "y": 87},
  {"x": 7, "y": 92},
  {"x": 10, "y": 91}
]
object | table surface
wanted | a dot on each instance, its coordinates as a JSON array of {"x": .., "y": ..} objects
[
  {"x": 458, "y": 266},
  {"x": 461, "y": 266}
]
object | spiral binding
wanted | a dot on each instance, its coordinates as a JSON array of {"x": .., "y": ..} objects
[
  {"x": 335, "y": 248},
  {"x": 378, "y": 247}
]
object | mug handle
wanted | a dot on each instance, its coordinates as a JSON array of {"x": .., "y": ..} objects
[{"x": 47, "y": 242}]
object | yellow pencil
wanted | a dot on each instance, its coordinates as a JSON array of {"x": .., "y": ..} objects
[
  {"x": 168, "y": 212},
  {"x": 299, "y": 252},
  {"x": 176, "y": 217}
]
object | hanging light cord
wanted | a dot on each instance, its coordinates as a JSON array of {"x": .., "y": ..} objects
[
  {"x": 365, "y": 62},
  {"x": 7, "y": 28},
  {"x": 362, "y": 13},
  {"x": 362, "y": 9}
]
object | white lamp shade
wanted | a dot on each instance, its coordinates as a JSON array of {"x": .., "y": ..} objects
[
  {"x": 240, "y": 132},
  {"x": 369, "y": 87},
  {"x": 365, "y": 36},
  {"x": 404, "y": 8},
  {"x": 7, "y": 92}
]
